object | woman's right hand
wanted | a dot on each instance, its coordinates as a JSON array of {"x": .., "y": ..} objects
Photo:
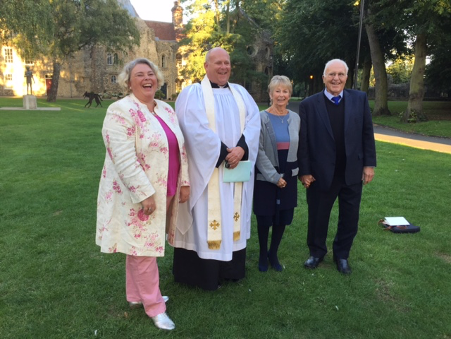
[
  {"x": 281, "y": 183},
  {"x": 184, "y": 193},
  {"x": 149, "y": 205}
]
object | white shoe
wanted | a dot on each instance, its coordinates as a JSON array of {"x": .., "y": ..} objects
[
  {"x": 163, "y": 322},
  {"x": 139, "y": 304}
]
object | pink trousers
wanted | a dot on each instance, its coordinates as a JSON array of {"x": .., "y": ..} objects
[
  {"x": 143, "y": 284},
  {"x": 142, "y": 281}
]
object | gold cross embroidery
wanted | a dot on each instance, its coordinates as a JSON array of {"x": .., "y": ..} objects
[
  {"x": 214, "y": 224},
  {"x": 236, "y": 216}
]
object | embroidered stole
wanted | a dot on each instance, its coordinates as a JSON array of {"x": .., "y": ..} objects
[{"x": 214, "y": 199}]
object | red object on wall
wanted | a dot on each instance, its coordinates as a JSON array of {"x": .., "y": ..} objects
[{"x": 48, "y": 84}]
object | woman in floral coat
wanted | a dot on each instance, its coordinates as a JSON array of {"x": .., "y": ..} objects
[{"x": 144, "y": 178}]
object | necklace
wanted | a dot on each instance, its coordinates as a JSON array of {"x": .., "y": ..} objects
[{"x": 280, "y": 116}]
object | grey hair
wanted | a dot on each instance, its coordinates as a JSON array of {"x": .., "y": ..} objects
[
  {"x": 335, "y": 60},
  {"x": 124, "y": 76},
  {"x": 280, "y": 80}
]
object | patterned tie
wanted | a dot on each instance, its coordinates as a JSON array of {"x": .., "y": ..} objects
[{"x": 336, "y": 100}]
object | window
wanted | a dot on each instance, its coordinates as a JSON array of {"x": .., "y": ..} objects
[
  {"x": 8, "y": 55},
  {"x": 113, "y": 79},
  {"x": 109, "y": 59},
  {"x": 163, "y": 61},
  {"x": 8, "y": 81}
]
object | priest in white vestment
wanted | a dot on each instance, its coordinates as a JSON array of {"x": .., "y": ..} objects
[{"x": 221, "y": 125}]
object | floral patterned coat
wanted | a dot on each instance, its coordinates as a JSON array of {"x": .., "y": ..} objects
[{"x": 136, "y": 167}]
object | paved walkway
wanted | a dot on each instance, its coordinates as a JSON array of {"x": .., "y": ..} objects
[
  {"x": 413, "y": 140},
  {"x": 386, "y": 134}
]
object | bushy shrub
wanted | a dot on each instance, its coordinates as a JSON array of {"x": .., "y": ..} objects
[{"x": 159, "y": 95}]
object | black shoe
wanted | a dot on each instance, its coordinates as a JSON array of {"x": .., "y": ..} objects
[
  {"x": 275, "y": 264},
  {"x": 312, "y": 262},
  {"x": 343, "y": 266},
  {"x": 263, "y": 267},
  {"x": 263, "y": 263}
]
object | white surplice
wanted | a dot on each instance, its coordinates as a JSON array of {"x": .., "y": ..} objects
[{"x": 203, "y": 147}]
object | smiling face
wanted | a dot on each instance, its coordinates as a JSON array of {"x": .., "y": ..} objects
[
  {"x": 218, "y": 66},
  {"x": 335, "y": 78},
  {"x": 280, "y": 96},
  {"x": 143, "y": 83}
]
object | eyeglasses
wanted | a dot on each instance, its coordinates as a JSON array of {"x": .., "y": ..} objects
[{"x": 340, "y": 75}]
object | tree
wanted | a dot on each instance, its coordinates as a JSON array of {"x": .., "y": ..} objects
[
  {"x": 401, "y": 69},
  {"x": 198, "y": 41},
  {"x": 378, "y": 60},
  {"x": 59, "y": 28},
  {"x": 423, "y": 21},
  {"x": 310, "y": 33},
  {"x": 430, "y": 18},
  {"x": 387, "y": 42},
  {"x": 226, "y": 24},
  {"x": 438, "y": 72}
]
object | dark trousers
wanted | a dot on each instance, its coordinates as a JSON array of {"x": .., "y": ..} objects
[{"x": 320, "y": 204}]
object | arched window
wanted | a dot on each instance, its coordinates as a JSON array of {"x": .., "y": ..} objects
[
  {"x": 163, "y": 61},
  {"x": 116, "y": 59},
  {"x": 109, "y": 59},
  {"x": 113, "y": 79}
]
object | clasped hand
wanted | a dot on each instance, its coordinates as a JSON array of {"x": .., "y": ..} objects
[
  {"x": 234, "y": 157},
  {"x": 307, "y": 180}
]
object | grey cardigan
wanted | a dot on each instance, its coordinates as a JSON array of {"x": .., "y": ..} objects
[{"x": 267, "y": 158}]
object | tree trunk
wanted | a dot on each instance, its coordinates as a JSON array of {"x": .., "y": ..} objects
[
  {"x": 366, "y": 72},
  {"x": 51, "y": 97},
  {"x": 377, "y": 58},
  {"x": 350, "y": 81},
  {"x": 217, "y": 15},
  {"x": 414, "y": 112},
  {"x": 228, "y": 17}
]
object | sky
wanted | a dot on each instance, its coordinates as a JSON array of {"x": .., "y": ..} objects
[{"x": 154, "y": 10}]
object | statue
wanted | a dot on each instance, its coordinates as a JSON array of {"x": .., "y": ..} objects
[{"x": 29, "y": 76}]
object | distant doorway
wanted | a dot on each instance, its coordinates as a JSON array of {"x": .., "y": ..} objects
[
  {"x": 48, "y": 82},
  {"x": 164, "y": 89}
]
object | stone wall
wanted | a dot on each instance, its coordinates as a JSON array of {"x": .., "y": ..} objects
[{"x": 89, "y": 70}]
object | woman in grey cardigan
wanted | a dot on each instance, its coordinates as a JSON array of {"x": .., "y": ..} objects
[{"x": 275, "y": 191}]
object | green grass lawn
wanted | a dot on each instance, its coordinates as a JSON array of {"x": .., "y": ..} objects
[
  {"x": 54, "y": 282},
  {"x": 438, "y": 112}
]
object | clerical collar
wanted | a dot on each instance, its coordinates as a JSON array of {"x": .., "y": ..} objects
[{"x": 213, "y": 85}]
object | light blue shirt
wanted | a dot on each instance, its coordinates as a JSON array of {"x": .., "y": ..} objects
[{"x": 330, "y": 96}]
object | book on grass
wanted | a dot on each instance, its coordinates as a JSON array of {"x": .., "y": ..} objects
[{"x": 396, "y": 221}]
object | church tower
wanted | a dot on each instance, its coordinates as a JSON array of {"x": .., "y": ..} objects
[
  {"x": 177, "y": 20},
  {"x": 129, "y": 7}
]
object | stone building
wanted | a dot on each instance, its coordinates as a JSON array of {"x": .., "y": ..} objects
[
  {"x": 261, "y": 53},
  {"x": 93, "y": 69}
]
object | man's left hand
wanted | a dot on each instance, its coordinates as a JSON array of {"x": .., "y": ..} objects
[
  {"x": 368, "y": 174},
  {"x": 234, "y": 157}
]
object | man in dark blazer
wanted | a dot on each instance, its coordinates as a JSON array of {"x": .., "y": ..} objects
[{"x": 337, "y": 155}]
